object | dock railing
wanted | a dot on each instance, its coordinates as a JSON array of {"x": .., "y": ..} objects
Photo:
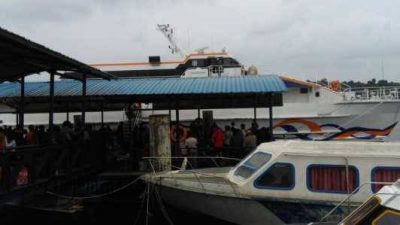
[{"x": 30, "y": 165}]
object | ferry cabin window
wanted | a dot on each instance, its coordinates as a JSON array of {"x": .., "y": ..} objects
[
  {"x": 194, "y": 63},
  {"x": 212, "y": 61},
  {"x": 278, "y": 176},
  {"x": 317, "y": 94},
  {"x": 230, "y": 62},
  {"x": 384, "y": 174},
  {"x": 251, "y": 165},
  {"x": 303, "y": 90},
  {"x": 332, "y": 178}
]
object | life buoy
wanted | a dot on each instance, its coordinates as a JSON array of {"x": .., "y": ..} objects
[
  {"x": 182, "y": 136},
  {"x": 22, "y": 178},
  {"x": 334, "y": 85}
]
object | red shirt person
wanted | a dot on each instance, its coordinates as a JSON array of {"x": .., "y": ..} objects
[{"x": 218, "y": 139}]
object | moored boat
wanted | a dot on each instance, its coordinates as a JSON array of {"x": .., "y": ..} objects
[
  {"x": 284, "y": 182},
  {"x": 310, "y": 111}
]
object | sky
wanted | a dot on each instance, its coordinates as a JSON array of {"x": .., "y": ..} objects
[{"x": 308, "y": 39}]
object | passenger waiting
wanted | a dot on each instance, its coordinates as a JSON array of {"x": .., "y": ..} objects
[
  {"x": 250, "y": 142},
  {"x": 190, "y": 149},
  {"x": 31, "y": 137},
  {"x": 217, "y": 140}
]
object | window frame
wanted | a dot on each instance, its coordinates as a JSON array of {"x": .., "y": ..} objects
[
  {"x": 253, "y": 168},
  {"x": 293, "y": 177},
  {"x": 308, "y": 177},
  {"x": 373, "y": 173}
]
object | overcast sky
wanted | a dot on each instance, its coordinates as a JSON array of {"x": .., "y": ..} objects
[{"x": 310, "y": 39}]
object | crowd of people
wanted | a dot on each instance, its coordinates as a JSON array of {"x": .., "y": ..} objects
[
  {"x": 199, "y": 138},
  {"x": 212, "y": 140},
  {"x": 14, "y": 137}
]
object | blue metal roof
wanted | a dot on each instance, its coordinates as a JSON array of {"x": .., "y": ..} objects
[{"x": 152, "y": 86}]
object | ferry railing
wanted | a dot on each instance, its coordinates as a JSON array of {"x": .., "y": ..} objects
[
  {"x": 347, "y": 199},
  {"x": 372, "y": 93},
  {"x": 197, "y": 174}
]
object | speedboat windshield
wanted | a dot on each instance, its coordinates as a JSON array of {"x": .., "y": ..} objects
[{"x": 252, "y": 164}]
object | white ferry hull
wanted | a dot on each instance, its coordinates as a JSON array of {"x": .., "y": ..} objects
[{"x": 345, "y": 120}]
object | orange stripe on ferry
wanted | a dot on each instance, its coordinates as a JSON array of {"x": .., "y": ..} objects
[
  {"x": 311, "y": 125},
  {"x": 370, "y": 132}
]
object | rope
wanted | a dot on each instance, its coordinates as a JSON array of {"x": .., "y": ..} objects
[
  {"x": 162, "y": 207},
  {"x": 94, "y": 196}
]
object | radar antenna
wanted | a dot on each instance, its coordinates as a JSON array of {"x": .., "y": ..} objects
[{"x": 168, "y": 33}]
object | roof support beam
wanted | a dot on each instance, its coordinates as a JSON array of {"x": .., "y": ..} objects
[
  {"x": 177, "y": 131},
  {"x": 21, "y": 104},
  {"x": 84, "y": 86},
  {"x": 271, "y": 129},
  {"x": 51, "y": 102}
]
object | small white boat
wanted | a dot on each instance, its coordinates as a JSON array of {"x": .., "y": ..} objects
[{"x": 284, "y": 182}]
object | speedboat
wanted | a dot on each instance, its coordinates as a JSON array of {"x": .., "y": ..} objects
[{"x": 284, "y": 182}]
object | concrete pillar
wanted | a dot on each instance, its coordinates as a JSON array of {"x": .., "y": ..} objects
[{"x": 160, "y": 143}]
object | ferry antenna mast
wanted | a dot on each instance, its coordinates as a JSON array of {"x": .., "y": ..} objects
[{"x": 168, "y": 33}]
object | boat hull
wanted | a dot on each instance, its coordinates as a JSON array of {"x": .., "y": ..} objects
[
  {"x": 246, "y": 211},
  {"x": 235, "y": 210}
]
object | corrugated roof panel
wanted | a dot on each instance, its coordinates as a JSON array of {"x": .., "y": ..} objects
[{"x": 151, "y": 86}]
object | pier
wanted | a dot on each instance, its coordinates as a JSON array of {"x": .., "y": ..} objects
[{"x": 63, "y": 161}]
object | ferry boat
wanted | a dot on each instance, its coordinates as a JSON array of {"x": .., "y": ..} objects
[
  {"x": 284, "y": 182},
  {"x": 310, "y": 111}
]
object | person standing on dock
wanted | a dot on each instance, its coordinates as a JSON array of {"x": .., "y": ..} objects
[
  {"x": 237, "y": 143},
  {"x": 217, "y": 140},
  {"x": 228, "y": 140},
  {"x": 31, "y": 137},
  {"x": 250, "y": 142},
  {"x": 191, "y": 149}
]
